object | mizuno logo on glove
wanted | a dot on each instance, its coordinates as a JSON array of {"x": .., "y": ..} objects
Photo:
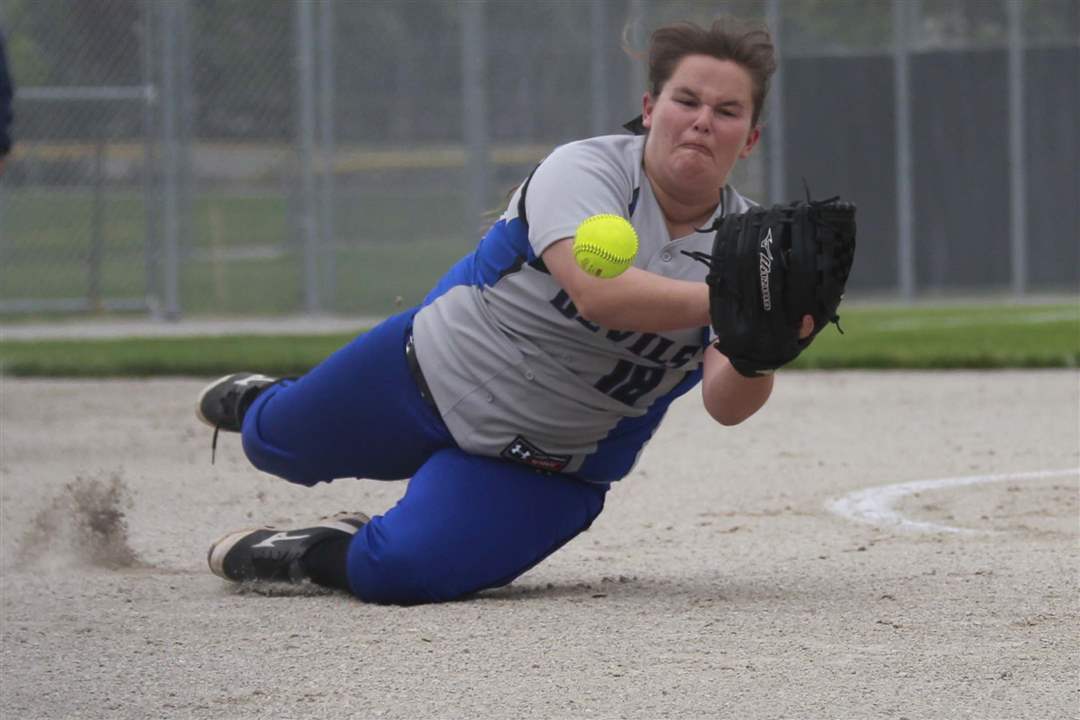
[{"x": 764, "y": 268}]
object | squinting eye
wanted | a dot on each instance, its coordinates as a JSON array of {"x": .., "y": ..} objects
[{"x": 687, "y": 103}]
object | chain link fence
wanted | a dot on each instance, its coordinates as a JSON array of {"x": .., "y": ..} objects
[{"x": 244, "y": 157}]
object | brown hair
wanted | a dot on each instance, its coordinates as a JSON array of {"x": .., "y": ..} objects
[{"x": 747, "y": 44}]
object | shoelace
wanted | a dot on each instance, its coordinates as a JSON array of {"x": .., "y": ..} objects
[
  {"x": 217, "y": 428},
  {"x": 213, "y": 444}
]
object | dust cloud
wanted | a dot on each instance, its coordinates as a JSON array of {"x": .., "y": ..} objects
[{"x": 85, "y": 525}]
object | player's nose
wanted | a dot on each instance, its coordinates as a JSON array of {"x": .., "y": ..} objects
[{"x": 702, "y": 119}]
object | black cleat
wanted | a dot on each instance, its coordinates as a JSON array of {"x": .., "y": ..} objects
[
  {"x": 273, "y": 555},
  {"x": 222, "y": 403}
]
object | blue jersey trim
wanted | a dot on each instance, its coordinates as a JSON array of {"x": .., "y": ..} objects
[
  {"x": 633, "y": 202},
  {"x": 503, "y": 249},
  {"x": 615, "y": 455}
]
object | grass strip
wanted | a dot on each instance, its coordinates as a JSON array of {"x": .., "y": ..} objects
[
  {"x": 1036, "y": 336},
  {"x": 163, "y": 357}
]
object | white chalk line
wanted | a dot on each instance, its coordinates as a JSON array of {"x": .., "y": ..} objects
[
  {"x": 873, "y": 506},
  {"x": 928, "y": 323}
]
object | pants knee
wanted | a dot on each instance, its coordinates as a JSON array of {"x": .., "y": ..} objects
[
  {"x": 274, "y": 461},
  {"x": 397, "y": 574}
]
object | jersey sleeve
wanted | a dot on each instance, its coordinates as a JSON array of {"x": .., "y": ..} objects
[{"x": 575, "y": 182}]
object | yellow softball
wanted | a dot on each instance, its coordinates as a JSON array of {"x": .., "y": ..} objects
[{"x": 605, "y": 245}]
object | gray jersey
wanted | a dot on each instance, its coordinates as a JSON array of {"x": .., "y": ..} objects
[{"x": 515, "y": 371}]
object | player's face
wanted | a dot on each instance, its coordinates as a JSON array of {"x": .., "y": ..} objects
[{"x": 699, "y": 125}]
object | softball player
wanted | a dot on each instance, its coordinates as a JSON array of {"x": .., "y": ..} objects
[{"x": 521, "y": 387}]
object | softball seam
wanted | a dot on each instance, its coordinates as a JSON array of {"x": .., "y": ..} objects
[{"x": 602, "y": 253}]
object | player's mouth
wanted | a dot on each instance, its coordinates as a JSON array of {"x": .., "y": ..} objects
[{"x": 698, "y": 148}]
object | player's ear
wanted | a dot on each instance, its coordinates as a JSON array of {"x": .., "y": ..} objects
[
  {"x": 647, "y": 105},
  {"x": 751, "y": 141}
]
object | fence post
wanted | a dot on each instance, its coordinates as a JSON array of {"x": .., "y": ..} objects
[
  {"x": 902, "y": 104},
  {"x": 97, "y": 226},
  {"x": 600, "y": 24},
  {"x": 474, "y": 109},
  {"x": 3, "y": 195},
  {"x": 170, "y": 162},
  {"x": 639, "y": 79},
  {"x": 185, "y": 99},
  {"x": 151, "y": 197},
  {"x": 305, "y": 83},
  {"x": 775, "y": 117},
  {"x": 1017, "y": 164},
  {"x": 328, "y": 196}
]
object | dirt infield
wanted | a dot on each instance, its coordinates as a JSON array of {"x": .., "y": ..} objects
[{"x": 717, "y": 583}]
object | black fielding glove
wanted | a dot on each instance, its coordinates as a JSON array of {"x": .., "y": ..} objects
[{"x": 769, "y": 267}]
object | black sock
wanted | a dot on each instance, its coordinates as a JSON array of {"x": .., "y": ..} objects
[{"x": 326, "y": 562}]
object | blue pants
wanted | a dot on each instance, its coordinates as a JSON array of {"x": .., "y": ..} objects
[{"x": 465, "y": 523}]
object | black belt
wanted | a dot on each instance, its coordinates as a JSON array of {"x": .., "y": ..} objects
[{"x": 417, "y": 373}]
